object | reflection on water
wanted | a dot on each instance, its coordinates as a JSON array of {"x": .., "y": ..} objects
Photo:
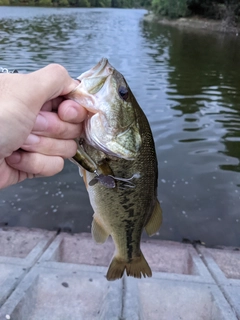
[{"x": 188, "y": 84}]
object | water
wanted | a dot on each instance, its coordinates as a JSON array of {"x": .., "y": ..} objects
[{"x": 188, "y": 84}]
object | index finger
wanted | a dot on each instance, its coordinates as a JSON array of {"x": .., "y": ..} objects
[
  {"x": 52, "y": 105},
  {"x": 51, "y": 82},
  {"x": 71, "y": 111},
  {"x": 36, "y": 88}
]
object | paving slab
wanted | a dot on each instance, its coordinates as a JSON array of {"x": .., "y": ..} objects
[
  {"x": 224, "y": 265},
  {"x": 46, "y": 294},
  {"x": 174, "y": 260},
  {"x": 23, "y": 246},
  {"x": 77, "y": 249},
  {"x": 232, "y": 294},
  {"x": 68, "y": 281},
  {"x": 157, "y": 299},
  {"x": 20, "y": 248},
  {"x": 10, "y": 275}
]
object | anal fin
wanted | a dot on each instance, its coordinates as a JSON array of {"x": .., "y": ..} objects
[
  {"x": 99, "y": 233},
  {"x": 155, "y": 220}
]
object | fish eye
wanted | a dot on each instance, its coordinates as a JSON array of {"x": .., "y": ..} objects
[{"x": 123, "y": 92}]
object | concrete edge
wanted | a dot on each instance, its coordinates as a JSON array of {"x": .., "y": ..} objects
[
  {"x": 111, "y": 307},
  {"x": 215, "y": 270},
  {"x": 132, "y": 305},
  {"x": 8, "y": 286},
  {"x": 33, "y": 255},
  {"x": 200, "y": 272},
  {"x": 49, "y": 253}
]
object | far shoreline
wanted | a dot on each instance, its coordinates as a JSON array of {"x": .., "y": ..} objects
[{"x": 197, "y": 23}]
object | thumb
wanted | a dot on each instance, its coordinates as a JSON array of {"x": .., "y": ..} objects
[
  {"x": 22, "y": 97},
  {"x": 48, "y": 83},
  {"x": 36, "y": 88}
]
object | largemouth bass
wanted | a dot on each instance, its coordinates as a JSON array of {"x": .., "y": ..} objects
[{"x": 119, "y": 167}]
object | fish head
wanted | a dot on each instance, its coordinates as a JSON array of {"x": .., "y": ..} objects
[{"x": 112, "y": 123}]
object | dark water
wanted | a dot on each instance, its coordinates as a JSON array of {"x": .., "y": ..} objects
[{"x": 188, "y": 84}]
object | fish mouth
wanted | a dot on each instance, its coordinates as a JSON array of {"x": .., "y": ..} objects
[
  {"x": 102, "y": 69},
  {"x": 98, "y": 93},
  {"x": 90, "y": 83},
  {"x": 100, "y": 65}
]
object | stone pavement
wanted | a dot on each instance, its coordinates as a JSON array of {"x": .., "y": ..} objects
[{"x": 50, "y": 276}]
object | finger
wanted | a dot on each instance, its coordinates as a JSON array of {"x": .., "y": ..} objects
[
  {"x": 10, "y": 176},
  {"x": 51, "y": 82},
  {"x": 52, "y": 104},
  {"x": 49, "y": 146},
  {"x": 48, "y": 83},
  {"x": 35, "y": 163},
  {"x": 48, "y": 124},
  {"x": 71, "y": 111}
]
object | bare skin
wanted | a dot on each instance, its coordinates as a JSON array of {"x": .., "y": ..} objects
[{"x": 36, "y": 118}]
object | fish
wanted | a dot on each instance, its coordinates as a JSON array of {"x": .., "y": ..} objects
[{"x": 117, "y": 159}]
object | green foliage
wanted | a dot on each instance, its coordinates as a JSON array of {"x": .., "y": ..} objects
[
  {"x": 122, "y": 3},
  {"x": 227, "y": 10},
  {"x": 101, "y": 3},
  {"x": 79, "y": 3},
  {"x": 4, "y": 3},
  {"x": 216, "y": 9},
  {"x": 104, "y": 3},
  {"x": 45, "y": 3},
  {"x": 170, "y": 8},
  {"x": 83, "y": 3},
  {"x": 63, "y": 3}
]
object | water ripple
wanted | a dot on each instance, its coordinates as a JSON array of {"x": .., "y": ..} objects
[{"x": 188, "y": 85}]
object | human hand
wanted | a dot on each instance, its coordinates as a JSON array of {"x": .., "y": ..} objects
[{"x": 35, "y": 118}]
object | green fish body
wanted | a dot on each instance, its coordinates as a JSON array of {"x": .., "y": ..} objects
[{"x": 119, "y": 166}]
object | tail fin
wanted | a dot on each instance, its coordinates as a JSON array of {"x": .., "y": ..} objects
[{"x": 136, "y": 268}]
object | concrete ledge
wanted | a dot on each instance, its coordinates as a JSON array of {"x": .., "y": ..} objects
[
  {"x": 174, "y": 260},
  {"x": 22, "y": 246},
  {"x": 224, "y": 265},
  {"x": 68, "y": 280},
  {"x": 174, "y": 300},
  {"x": 59, "y": 295},
  {"x": 78, "y": 249},
  {"x": 232, "y": 294},
  {"x": 10, "y": 276}
]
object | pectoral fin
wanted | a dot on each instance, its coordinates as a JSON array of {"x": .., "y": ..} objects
[
  {"x": 155, "y": 220},
  {"x": 99, "y": 233}
]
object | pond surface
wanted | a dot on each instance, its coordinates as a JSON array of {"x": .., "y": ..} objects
[{"x": 188, "y": 84}]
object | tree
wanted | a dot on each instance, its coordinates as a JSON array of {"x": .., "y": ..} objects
[
  {"x": 226, "y": 10},
  {"x": 100, "y": 3},
  {"x": 4, "y": 3},
  {"x": 104, "y": 3},
  {"x": 83, "y": 3},
  {"x": 79, "y": 3},
  {"x": 45, "y": 3},
  {"x": 63, "y": 3},
  {"x": 170, "y": 8}
]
